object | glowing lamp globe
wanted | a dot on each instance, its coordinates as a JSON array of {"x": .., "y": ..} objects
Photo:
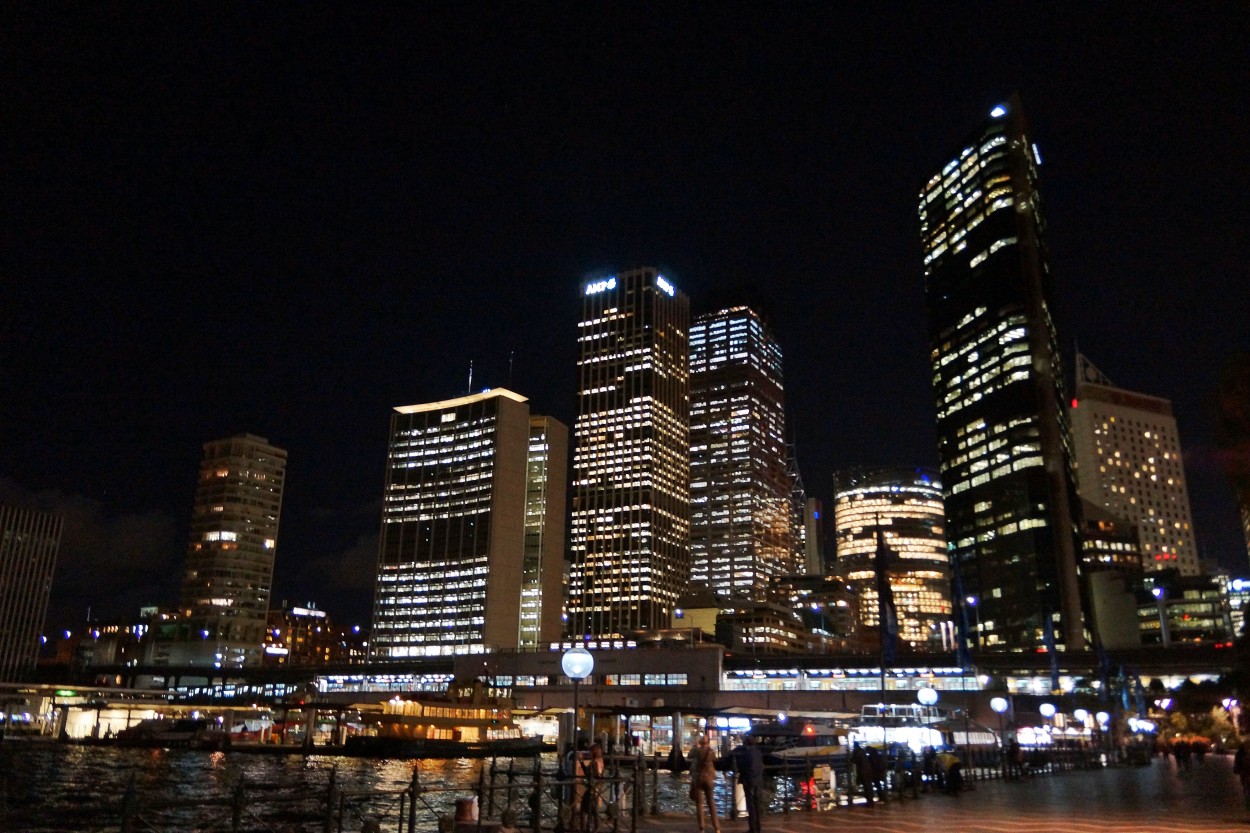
[
  {"x": 1081, "y": 715},
  {"x": 999, "y": 704},
  {"x": 1047, "y": 710},
  {"x": 577, "y": 663},
  {"x": 927, "y": 696}
]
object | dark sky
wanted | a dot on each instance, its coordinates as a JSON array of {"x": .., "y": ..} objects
[{"x": 286, "y": 219}]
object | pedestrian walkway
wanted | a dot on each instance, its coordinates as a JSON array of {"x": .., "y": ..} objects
[{"x": 1126, "y": 799}]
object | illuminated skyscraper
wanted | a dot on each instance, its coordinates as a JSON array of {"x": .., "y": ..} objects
[
  {"x": 630, "y": 536},
  {"x": 452, "y": 548},
  {"x": 1128, "y": 455},
  {"x": 542, "y": 574},
  {"x": 228, "y": 572},
  {"x": 1001, "y": 412},
  {"x": 906, "y": 505},
  {"x": 28, "y": 545},
  {"x": 740, "y": 535}
]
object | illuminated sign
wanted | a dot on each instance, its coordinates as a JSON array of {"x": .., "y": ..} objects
[
  {"x": 998, "y": 112},
  {"x": 304, "y": 611},
  {"x": 663, "y": 284},
  {"x": 602, "y": 286}
]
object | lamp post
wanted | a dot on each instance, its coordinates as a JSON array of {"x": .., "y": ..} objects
[
  {"x": 1161, "y": 595},
  {"x": 1104, "y": 721},
  {"x": 999, "y": 705},
  {"x": 1047, "y": 711},
  {"x": 976, "y": 616},
  {"x": 577, "y": 663}
]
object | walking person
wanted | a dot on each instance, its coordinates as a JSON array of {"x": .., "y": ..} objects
[
  {"x": 703, "y": 781},
  {"x": 1241, "y": 768},
  {"x": 749, "y": 763}
]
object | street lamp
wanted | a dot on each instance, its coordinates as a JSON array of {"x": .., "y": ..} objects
[
  {"x": 999, "y": 705},
  {"x": 927, "y": 696},
  {"x": 976, "y": 615},
  {"x": 577, "y": 663},
  {"x": 1161, "y": 595},
  {"x": 1047, "y": 710}
]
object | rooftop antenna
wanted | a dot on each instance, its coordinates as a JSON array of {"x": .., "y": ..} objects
[
  {"x": 511, "y": 353},
  {"x": 470, "y": 390}
]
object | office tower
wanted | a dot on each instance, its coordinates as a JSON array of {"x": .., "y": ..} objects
[
  {"x": 740, "y": 534},
  {"x": 798, "y": 513},
  {"x": 28, "y": 545},
  {"x": 905, "y": 505},
  {"x": 542, "y": 573},
  {"x": 1232, "y": 413},
  {"x": 228, "y": 573},
  {"x": 452, "y": 546},
  {"x": 1109, "y": 542},
  {"x": 1003, "y": 439},
  {"x": 630, "y": 533},
  {"x": 1128, "y": 461},
  {"x": 814, "y": 537}
]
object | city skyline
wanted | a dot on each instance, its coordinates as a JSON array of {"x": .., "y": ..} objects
[{"x": 262, "y": 233}]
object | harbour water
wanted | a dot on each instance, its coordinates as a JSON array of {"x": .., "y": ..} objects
[{"x": 57, "y": 788}]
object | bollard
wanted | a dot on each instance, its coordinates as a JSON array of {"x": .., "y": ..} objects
[
  {"x": 236, "y": 808},
  {"x": 130, "y": 801},
  {"x": 655, "y": 787}
]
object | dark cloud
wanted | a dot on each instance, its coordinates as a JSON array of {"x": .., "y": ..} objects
[{"x": 108, "y": 564}]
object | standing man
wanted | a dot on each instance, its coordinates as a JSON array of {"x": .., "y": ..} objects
[
  {"x": 703, "y": 781},
  {"x": 749, "y": 763}
]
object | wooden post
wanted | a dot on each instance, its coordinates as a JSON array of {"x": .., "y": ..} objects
[
  {"x": 412, "y": 805},
  {"x": 330, "y": 788},
  {"x": 536, "y": 798},
  {"x": 236, "y": 808},
  {"x": 655, "y": 786},
  {"x": 130, "y": 801}
]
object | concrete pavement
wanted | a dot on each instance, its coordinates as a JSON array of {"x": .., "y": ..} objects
[{"x": 1126, "y": 799}]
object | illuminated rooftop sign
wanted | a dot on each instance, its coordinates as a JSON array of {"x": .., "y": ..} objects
[
  {"x": 663, "y": 284},
  {"x": 603, "y": 286},
  {"x": 998, "y": 112}
]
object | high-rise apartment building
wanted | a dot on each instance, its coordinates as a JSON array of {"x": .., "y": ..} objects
[
  {"x": 630, "y": 528},
  {"x": 740, "y": 526},
  {"x": 542, "y": 573},
  {"x": 905, "y": 506},
  {"x": 228, "y": 573},
  {"x": 1128, "y": 455},
  {"x": 452, "y": 549},
  {"x": 1002, "y": 425},
  {"x": 29, "y": 540}
]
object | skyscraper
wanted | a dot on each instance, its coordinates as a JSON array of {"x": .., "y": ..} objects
[
  {"x": 452, "y": 546},
  {"x": 1128, "y": 454},
  {"x": 904, "y": 506},
  {"x": 29, "y": 540},
  {"x": 542, "y": 573},
  {"x": 228, "y": 574},
  {"x": 1002, "y": 426},
  {"x": 740, "y": 535},
  {"x": 630, "y": 531}
]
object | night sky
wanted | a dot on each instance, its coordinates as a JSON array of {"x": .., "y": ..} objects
[{"x": 286, "y": 219}]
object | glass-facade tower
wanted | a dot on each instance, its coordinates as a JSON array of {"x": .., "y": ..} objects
[
  {"x": 630, "y": 527},
  {"x": 542, "y": 574},
  {"x": 449, "y": 578},
  {"x": 1003, "y": 440},
  {"x": 29, "y": 540},
  {"x": 905, "y": 505},
  {"x": 740, "y": 530}
]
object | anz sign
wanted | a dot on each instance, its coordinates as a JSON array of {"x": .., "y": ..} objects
[
  {"x": 663, "y": 284},
  {"x": 601, "y": 286}
]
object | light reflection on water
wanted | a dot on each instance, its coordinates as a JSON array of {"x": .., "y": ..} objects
[{"x": 53, "y": 788}]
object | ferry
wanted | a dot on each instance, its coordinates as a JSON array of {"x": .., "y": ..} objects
[
  {"x": 468, "y": 722},
  {"x": 888, "y": 724},
  {"x": 797, "y": 742}
]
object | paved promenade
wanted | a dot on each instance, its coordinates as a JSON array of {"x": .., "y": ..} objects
[{"x": 1153, "y": 799}]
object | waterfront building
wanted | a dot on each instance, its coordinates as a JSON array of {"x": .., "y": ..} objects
[
  {"x": 542, "y": 573},
  {"x": 1128, "y": 456},
  {"x": 303, "y": 635},
  {"x": 1238, "y": 604},
  {"x": 1002, "y": 427},
  {"x": 903, "y": 508},
  {"x": 740, "y": 524},
  {"x": 228, "y": 572},
  {"x": 1175, "y": 609},
  {"x": 825, "y": 603},
  {"x": 1108, "y": 542},
  {"x": 452, "y": 545},
  {"x": 29, "y": 540},
  {"x": 630, "y": 526}
]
